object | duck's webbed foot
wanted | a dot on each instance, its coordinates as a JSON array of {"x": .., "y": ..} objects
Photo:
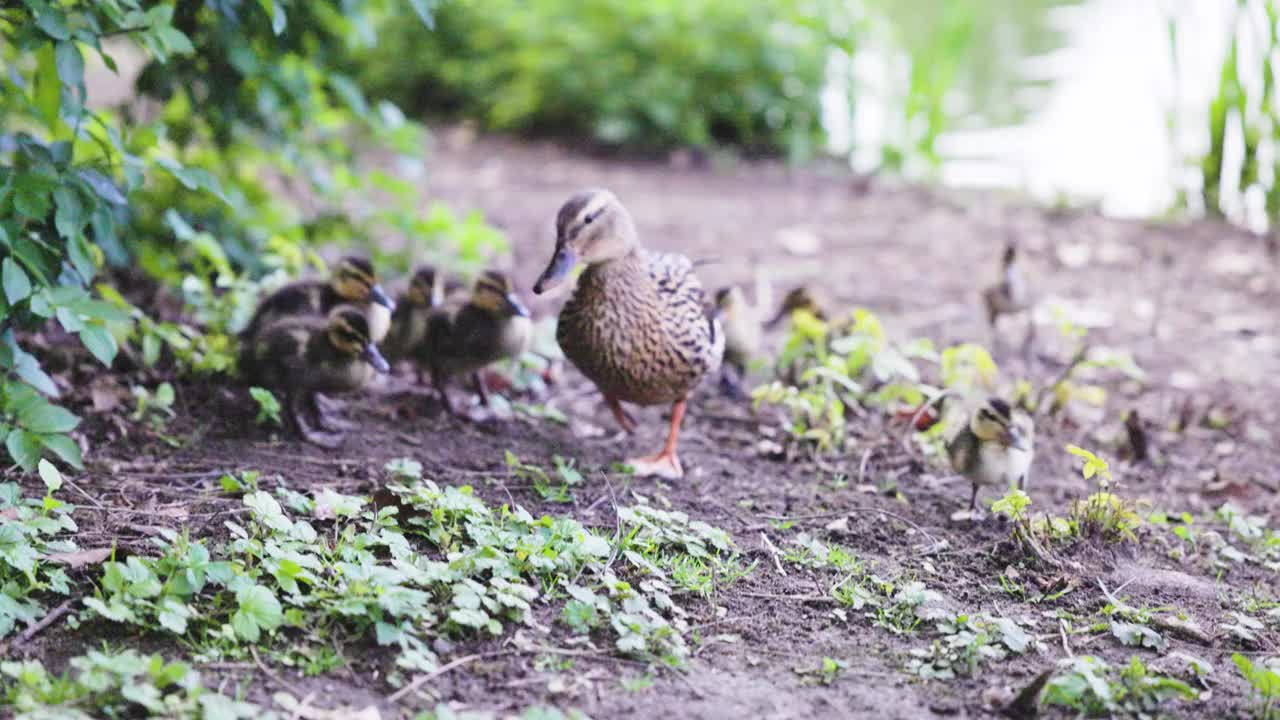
[
  {"x": 328, "y": 419},
  {"x": 666, "y": 464},
  {"x": 301, "y": 411}
]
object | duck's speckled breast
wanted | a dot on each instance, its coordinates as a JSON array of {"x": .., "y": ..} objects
[{"x": 637, "y": 328}]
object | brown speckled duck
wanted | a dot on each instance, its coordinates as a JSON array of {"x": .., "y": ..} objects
[
  {"x": 303, "y": 355},
  {"x": 636, "y": 325},
  {"x": 352, "y": 281}
]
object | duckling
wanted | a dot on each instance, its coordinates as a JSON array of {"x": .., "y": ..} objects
[
  {"x": 305, "y": 355},
  {"x": 742, "y": 338},
  {"x": 493, "y": 325},
  {"x": 414, "y": 308},
  {"x": 353, "y": 282},
  {"x": 635, "y": 325},
  {"x": 994, "y": 447},
  {"x": 800, "y": 298},
  {"x": 1009, "y": 296}
]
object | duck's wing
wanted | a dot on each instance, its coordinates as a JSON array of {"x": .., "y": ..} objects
[
  {"x": 684, "y": 310},
  {"x": 306, "y": 297}
]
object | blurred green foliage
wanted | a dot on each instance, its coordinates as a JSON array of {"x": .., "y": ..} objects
[
  {"x": 656, "y": 73},
  {"x": 237, "y": 161}
]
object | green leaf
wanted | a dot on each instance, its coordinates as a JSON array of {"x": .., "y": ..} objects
[
  {"x": 48, "y": 89},
  {"x": 104, "y": 186},
  {"x": 70, "y": 216},
  {"x": 17, "y": 286},
  {"x": 193, "y": 178},
  {"x": 65, "y": 448},
  {"x": 99, "y": 342},
  {"x": 53, "y": 22},
  {"x": 31, "y": 195},
  {"x": 24, "y": 448},
  {"x": 47, "y": 418},
  {"x": 259, "y": 610},
  {"x": 275, "y": 9},
  {"x": 50, "y": 475},
  {"x": 70, "y": 64}
]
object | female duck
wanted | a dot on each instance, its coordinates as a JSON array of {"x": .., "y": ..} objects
[{"x": 636, "y": 324}]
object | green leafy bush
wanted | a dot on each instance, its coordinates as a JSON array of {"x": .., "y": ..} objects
[{"x": 658, "y": 73}]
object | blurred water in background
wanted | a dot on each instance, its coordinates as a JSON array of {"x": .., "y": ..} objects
[{"x": 1068, "y": 100}]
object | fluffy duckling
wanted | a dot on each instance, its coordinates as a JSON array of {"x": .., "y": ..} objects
[
  {"x": 414, "y": 308},
  {"x": 742, "y": 338},
  {"x": 352, "y": 281},
  {"x": 303, "y": 355},
  {"x": 994, "y": 447},
  {"x": 1008, "y": 296},
  {"x": 493, "y": 325},
  {"x": 635, "y": 325},
  {"x": 800, "y": 298}
]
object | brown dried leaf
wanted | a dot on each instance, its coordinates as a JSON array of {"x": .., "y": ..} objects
[{"x": 80, "y": 558}]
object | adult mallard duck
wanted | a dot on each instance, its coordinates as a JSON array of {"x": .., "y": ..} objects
[
  {"x": 493, "y": 325},
  {"x": 303, "y": 355},
  {"x": 352, "y": 282},
  {"x": 636, "y": 325},
  {"x": 993, "y": 447}
]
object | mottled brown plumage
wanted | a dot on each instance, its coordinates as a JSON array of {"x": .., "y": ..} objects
[
  {"x": 300, "y": 356},
  {"x": 636, "y": 325},
  {"x": 352, "y": 282}
]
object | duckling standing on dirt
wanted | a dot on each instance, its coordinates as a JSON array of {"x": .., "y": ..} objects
[
  {"x": 414, "y": 308},
  {"x": 800, "y": 298},
  {"x": 1009, "y": 296},
  {"x": 353, "y": 282},
  {"x": 742, "y": 338},
  {"x": 635, "y": 325},
  {"x": 994, "y": 447},
  {"x": 493, "y": 325},
  {"x": 301, "y": 356}
]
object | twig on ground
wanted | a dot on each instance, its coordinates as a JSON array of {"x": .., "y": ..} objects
[
  {"x": 273, "y": 675},
  {"x": 793, "y": 598},
  {"x": 773, "y": 552},
  {"x": 862, "y": 466},
  {"x": 425, "y": 678},
  {"x": 1062, "y": 631},
  {"x": 39, "y": 626}
]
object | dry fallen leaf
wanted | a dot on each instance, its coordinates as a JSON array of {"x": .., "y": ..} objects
[{"x": 80, "y": 558}]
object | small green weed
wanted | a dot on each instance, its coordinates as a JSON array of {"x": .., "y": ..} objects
[
  {"x": 1265, "y": 681},
  {"x": 268, "y": 406},
  {"x": 1091, "y": 686}
]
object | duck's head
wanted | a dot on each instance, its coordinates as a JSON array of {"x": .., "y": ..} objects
[
  {"x": 800, "y": 298},
  {"x": 355, "y": 282},
  {"x": 994, "y": 421},
  {"x": 591, "y": 227},
  {"x": 349, "y": 334},
  {"x": 494, "y": 293},
  {"x": 426, "y": 288}
]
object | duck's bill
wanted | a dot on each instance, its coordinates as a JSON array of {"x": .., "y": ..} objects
[
  {"x": 515, "y": 306},
  {"x": 379, "y": 296},
  {"x": 561, "y": 265},
  {"x": 1014, "y": 439},
  {"x": 374, "y": 358}
]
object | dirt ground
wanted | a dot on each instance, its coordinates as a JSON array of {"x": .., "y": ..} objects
[{"x": 1194, "y": 303}]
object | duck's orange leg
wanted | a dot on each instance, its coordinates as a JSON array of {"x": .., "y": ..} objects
[
  {"x": 665, "y": 464},
  {"x": 620, "y": 414}
]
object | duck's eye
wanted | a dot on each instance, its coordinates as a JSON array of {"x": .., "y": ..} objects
[{"x": 587, "y": 220}]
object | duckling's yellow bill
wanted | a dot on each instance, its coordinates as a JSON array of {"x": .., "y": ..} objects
[
  {"x": 379, "y": 296},
  {"x": 375, "y": 359},
  {"x": 561, "y": 265}
]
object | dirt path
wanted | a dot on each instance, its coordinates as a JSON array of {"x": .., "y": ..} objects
[{"x": 1196, "y": 305}]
